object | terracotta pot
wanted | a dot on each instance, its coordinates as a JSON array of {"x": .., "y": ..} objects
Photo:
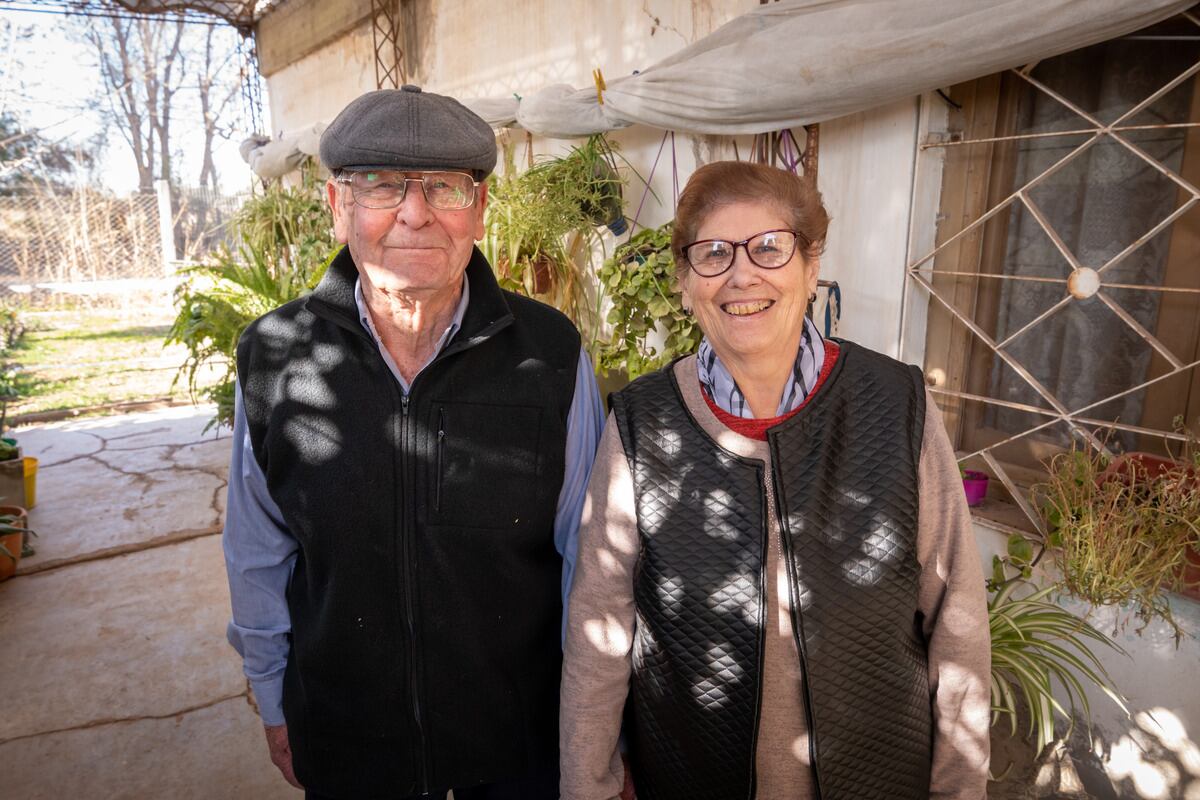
[
  {"x": 543, "y": 274},
  {"x": 12, "y": 541},
  {"x": 1129, "y": 467}
]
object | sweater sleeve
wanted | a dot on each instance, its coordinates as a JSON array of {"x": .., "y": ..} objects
[
  {"x": 954, "y": 605},
  {"x": 600, "y": 625}
]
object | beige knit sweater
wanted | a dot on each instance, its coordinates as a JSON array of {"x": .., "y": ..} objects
[{"x": 600, "y": 627}]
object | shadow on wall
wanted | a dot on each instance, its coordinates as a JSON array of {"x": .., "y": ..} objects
[{"x": 1151, "y": 758}]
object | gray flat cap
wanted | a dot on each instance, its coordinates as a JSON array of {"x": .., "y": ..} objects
[{"x": 407, "y": 129}]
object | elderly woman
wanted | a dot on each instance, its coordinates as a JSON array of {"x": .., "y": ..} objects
[{"x": 777, "y": 594}]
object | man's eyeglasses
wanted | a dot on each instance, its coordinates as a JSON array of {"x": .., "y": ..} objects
[
  {"x": 769, "y": 250},
  {"x": 385, "y": 189}
]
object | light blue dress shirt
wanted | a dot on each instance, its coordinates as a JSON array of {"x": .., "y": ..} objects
[{"x": 260, "y": 552}]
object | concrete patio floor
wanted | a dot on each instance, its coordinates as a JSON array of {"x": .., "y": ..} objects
[{"x": 118, "y": 680}]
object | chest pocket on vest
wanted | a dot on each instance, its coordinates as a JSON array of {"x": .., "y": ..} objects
[{"x": 485, "y": 464}]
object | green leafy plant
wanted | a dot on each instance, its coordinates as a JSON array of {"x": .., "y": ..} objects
[
  {"x": 283, "y": 244},
  {"x": 541, "y": 225},
  {"x": 10, "y": 391},
  {"x": 12, "y": 326},
  {"x": 639, "y": 279},
  {"x": 1036, "y": 644},
  {"x": 1122, "y": 538}
]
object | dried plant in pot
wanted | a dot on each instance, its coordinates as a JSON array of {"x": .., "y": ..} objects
[{"x": 1122, "y": 531}]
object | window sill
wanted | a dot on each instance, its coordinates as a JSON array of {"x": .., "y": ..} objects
[{"x": 1002, "y": 517}]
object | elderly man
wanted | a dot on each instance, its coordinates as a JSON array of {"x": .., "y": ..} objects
[{"x": 411, "y": 446}]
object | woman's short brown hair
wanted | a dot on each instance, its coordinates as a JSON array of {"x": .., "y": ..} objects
[{"x": 722, "y": 183}]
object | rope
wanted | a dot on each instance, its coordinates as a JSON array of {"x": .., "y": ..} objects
[{"x": 649, "y": 179}]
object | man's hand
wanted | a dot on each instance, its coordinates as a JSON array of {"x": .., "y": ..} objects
[
  {"x": 627, "y": 791},
  {"x": 281, "y": 752}
]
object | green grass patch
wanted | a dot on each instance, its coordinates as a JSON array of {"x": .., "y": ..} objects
[{"x": 84, "y": 358}]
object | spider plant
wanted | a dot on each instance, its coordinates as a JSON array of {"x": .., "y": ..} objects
[
  {"x": 1035, "y": 644},
  {"x": 542, "y": 226}
]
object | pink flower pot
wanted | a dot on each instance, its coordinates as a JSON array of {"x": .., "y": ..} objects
[{"x": 975, "y": 485}]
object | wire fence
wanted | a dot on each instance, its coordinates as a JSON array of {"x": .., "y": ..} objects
[{"x": 84, "y": 236}]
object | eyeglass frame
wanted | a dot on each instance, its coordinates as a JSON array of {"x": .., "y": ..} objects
[
  {"x": 744, "y": 244},
  {"x": 343, "y": 177}
]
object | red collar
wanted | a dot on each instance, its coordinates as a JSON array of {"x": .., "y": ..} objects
[{"x": 757, "y": 428}]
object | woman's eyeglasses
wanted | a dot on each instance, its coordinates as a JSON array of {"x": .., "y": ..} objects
[{"x": 769, "y": 250}]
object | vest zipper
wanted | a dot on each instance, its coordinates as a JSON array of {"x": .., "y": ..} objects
[
  {"x": 441, "y": 446},
  {"x": 762, "y": 641},
  {"x": 410, "y": 606},
  {"x": 798, "y": 635}
]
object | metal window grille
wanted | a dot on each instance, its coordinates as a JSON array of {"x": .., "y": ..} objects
[{"x": 1081, "y": 279}]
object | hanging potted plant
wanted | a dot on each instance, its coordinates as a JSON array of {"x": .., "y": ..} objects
[
  {"x": 639, "y": 280},
  {"x": 541, "y": 225}
]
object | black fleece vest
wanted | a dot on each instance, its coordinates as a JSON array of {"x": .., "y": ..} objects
[
  {"x": 845, "y": 468},
  {"x": 425, "y": 600}
]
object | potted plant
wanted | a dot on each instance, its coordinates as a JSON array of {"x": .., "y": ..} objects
[
  {"x": 541, "y": 225},
  {"x": 639, "y": 280},
  {"x": 1037, "y": 644},
  {"x": 975, "y": 486},
  {"x": 12, "y": 470},
  {"x": 1124, "y": 531},
  {"x": 14, "y": 534},
  {"x": 282, "y": 243}
]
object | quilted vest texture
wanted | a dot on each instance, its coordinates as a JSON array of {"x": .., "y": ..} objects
[{"x": 845, "y": 471}]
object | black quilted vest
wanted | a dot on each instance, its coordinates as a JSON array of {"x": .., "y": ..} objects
[
  {"x": 845, "y": 468},
  {"x": 425, "y": 600}
]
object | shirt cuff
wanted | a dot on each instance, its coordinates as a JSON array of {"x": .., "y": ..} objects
[{"x": 268, "y": 693}]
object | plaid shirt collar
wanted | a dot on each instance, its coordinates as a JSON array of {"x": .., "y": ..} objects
[{"x": 723, "y": 389}]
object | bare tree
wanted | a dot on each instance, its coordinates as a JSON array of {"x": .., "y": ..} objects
[
  {"x": 142, "y": 68},
  {"x": 215, "y": 94}
]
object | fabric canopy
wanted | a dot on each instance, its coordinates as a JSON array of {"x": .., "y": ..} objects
[{"x": 797, "y": 62}]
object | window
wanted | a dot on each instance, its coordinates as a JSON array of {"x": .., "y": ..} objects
[{"x": 1064, "y": 287}]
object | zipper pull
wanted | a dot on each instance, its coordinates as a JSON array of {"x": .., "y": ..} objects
[
  {"x": 441, "y": 441},
  {"x": 404, "y": 404}
]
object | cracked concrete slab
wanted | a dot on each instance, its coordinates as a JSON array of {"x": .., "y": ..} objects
[
  {"x": 93, "y": 509},
  {"x": 182, "y": 425},
  {"x": 218, "y": 751},
  {"x": 141, "y": 479},
  {"x": 56, "y": 443},
  {"x": 131, "y": 636}
]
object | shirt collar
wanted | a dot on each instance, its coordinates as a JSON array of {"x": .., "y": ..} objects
[
  {"x": 364, "y": 316},
  {"x": 718, "y": 382}
]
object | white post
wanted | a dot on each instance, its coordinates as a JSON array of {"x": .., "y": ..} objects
[{"x": 166, "y": 231}]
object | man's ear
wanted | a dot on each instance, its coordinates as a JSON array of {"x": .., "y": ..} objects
[{"x": 341, "y": 214}]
